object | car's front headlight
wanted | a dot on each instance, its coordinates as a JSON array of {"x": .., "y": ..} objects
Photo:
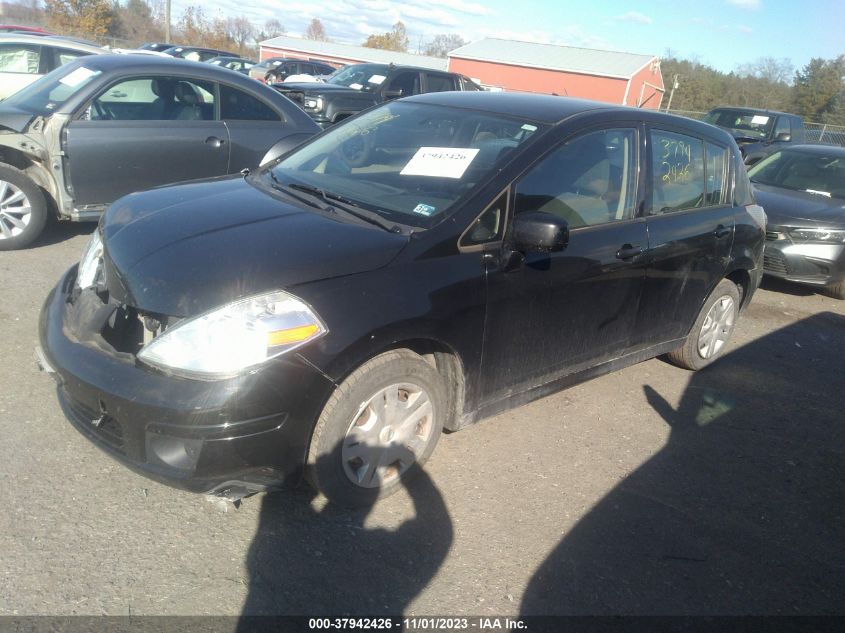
[
  {"x": 313, "y": 103},
  {"x": 235, "y": 337},
  {"x": 818, "y": 235},
  {"x": 87, "y": 274}
]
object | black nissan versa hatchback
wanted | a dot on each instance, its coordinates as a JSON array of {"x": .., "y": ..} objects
[{"x": 426, "y": 264}]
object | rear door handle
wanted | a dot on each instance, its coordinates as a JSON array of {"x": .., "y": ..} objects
[
  {"x": 214, "y": 141},
  {"x": 628, "y": 251},
  {"x": 722, "y": 231}
]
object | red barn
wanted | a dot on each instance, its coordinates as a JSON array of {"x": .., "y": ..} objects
[{"x": 622, "y": 78}]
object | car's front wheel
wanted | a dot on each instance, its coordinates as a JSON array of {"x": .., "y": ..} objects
[
  {"x": 379, "y": 424},
  {"x": 23, "y": 210},
  {"x": 712, "y": 330}
]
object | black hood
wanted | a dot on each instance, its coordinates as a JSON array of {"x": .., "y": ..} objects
[
  {"x": 14, "y": 119},
  {"x": 185, "y": 249},
  {"x": 786, "y": 207}
]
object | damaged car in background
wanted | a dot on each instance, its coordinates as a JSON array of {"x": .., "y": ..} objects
[
  {"x": 104, "y": 126},
  {"x": 426, "y": 264},
  {"x": 803, "y": 191}
]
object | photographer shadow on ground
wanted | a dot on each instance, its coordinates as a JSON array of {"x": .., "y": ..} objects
[
  {"x": 308, "y": 561},
  {"x": 741, "y": 512}
]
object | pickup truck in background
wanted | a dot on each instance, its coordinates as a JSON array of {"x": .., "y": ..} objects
[
  {"x": 360, "y": 86},
  {"x": 758, "y": 132}
]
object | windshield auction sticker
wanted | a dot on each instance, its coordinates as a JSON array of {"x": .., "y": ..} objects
[
  {"x": 440, "y": 162},
  {"x": 759, "y": 119},
  {"x": 78, "y": 76}
]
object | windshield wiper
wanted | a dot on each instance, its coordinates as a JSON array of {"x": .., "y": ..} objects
[
  {"x": 310, "y": 200},
  {"x": 348, "y": 206}
]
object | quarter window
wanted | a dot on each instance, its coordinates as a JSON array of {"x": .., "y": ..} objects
[
  {"x": 717, "y": 161},
  {"x": 239, "y": 106},
  {"x": 677, "y": 172},
  {"x": 587, "y": 181}
]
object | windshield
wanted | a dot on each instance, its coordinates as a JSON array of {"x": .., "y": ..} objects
[
  {"x": 360, "y": 76},
  {"x": 749, "y": 124},
  {"x": 819, "y": 173},
  {"x": 408, "y": 162},
  {"x": 50, "y": 92}
]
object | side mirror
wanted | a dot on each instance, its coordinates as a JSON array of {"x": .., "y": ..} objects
[
  {"x": 783, "y": 137},
  {"x": 539, "y": 232},
  {"x": 392, "y": 94}
]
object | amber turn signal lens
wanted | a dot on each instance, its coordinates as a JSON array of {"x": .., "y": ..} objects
[{"x": 292, "y": 335}]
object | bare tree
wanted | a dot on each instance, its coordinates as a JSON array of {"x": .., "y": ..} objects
[
  {"x": 768, "y": 68},
  {"x": 444, "y": 44},
  {"x": 241, "y": 31},
  {"x": 315, "y": 31}
]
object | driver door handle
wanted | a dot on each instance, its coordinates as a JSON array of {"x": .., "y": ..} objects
[
  {"x": 214, "y": 141},
  {"x": 628, "y": 251}
]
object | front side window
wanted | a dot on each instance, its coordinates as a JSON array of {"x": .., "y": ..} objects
[
  {"x": 782, "y": 126},
  {"x": 677, "y": 163},
  {"x": 16, "y": 58},
  {"x": 410, "y": 162},
  {"x": 589, "y": 180},
  {"x": 404, "y": 84},
  {"x": 236, "y": 105},
  {"x": 155, "y": 99}
]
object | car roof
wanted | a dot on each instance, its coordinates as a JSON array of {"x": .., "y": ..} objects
[
  {"x": 54, "y": 40},
  {"x": 816, "y": 148}
]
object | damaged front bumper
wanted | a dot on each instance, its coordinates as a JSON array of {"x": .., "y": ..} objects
[
  {"x": 226, "y": 437},
  {"x": 809, "y": 263}
]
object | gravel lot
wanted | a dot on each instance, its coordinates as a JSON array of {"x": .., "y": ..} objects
[{"x": 651, "y": 490}]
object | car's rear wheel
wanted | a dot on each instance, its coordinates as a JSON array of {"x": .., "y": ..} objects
[
  {"x": 379, "y": 424},
  {"x": 837, "y": 291},
  {"x": 712, "y": 330},
  {"x": 23, "y": 210}
]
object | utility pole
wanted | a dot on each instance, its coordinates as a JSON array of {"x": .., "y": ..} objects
[
  {"x": 671, "y": 94},
  {"x": 167, "y": 21}
]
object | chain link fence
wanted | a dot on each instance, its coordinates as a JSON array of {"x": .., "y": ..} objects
[{"x": 816, "y": 132}]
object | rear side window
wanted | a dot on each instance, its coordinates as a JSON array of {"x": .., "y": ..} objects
[
  {"x": 440, "y": 83},
  {"x": 677, "y": 172},
  {"x": 236, "y": 105},
  {"x": 62, "y": 56}
]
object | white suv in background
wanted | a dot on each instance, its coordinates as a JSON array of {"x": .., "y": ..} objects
[{"x": 25, "y": 58}]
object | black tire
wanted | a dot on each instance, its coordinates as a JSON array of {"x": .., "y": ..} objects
[
  {"x": 690, "y": 354},
  {"x": 11, "y": 235},
  {"x": 837, "y": 291},
  {"x": 330, "y": 469}
]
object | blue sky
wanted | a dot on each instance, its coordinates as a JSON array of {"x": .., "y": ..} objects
[{"x": 720, "y": 33}]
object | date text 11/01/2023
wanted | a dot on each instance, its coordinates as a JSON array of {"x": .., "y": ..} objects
[{"x": 418, "y": 624}]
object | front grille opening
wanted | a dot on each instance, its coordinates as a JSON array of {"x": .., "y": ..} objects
[
  {"x": 124, "y": 331},
  {"x": 100, "y": 424},
  {"x": 775, "y": 262}
]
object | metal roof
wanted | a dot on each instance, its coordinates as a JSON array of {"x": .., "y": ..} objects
[
  {"x": 357, "y": 53},
  {"x": 586, "y": 61}
]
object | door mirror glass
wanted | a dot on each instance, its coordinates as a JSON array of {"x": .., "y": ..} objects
[
  {"x": 784, "y": 137},
  {"x": 536, "y": 231}
]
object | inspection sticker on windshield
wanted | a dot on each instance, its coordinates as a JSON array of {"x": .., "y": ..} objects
[
  {"x": 424, "y": 209},
  {"x": 376, "y": 79},
  {"x": 441, "y": 162},
  {"x": 759, "y": 119},
  {"x": 78, "y": 76},
  {"x": 355, "y": 86}
]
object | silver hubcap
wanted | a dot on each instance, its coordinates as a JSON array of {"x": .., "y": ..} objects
[
  {"x": 15, "y": 212},
  {"x": 388, "y": 434},
  {"x": 717, "y": 327}
]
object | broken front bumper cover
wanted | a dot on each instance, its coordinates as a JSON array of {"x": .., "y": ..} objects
[{"x": 227, "y": 437}]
